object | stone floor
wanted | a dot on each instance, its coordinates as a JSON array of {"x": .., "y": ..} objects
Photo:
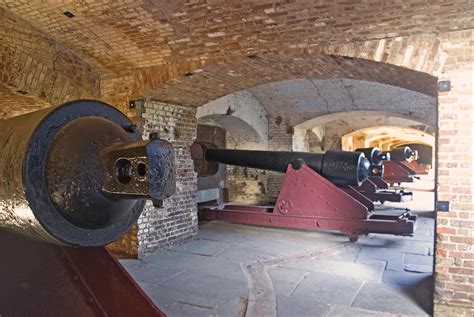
[{"x": 237, "y": 270}]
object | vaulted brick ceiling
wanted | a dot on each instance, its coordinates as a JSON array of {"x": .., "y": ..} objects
[{"x": 118, "y": 34}]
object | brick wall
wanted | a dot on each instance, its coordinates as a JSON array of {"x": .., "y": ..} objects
[
  {"x": 177, "y": 220},
  {"x": 14, "y": 103},
  {"x": 246, "y": 185},
  {"x": 280, "y": 138},
  {"x": 127, "y": 245},
  {"x": 454, "y": 267},
  {"x": 34, "y": 62}
]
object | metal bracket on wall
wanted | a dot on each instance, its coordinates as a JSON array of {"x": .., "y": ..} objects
[
  {"x": 444, "y": 85},
  {"x": 442, "y": 206}
]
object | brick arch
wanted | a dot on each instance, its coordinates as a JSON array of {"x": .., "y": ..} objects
[
  {"x": 241, "y": 131},
  {"x": 407, "y": 62},
  {"x": 241, "y": 114},
  {"x": 385, "y": 134},
  {"x": 362, "y": 119}
]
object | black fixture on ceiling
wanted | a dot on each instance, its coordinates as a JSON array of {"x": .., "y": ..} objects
[{"x": 68, "y": 14}]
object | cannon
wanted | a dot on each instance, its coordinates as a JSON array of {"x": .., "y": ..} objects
[
  {"x": 376, "y": 158},
  {"x": 375, "y": 188},
  {"x": 79, "y": 174},
  {"x": 402, "y": 154},
  {"x": 74, "y": 178},
  {"x": 339, "y": 167},
  {"x": 424, "y": 161},
  {"x": 395, "y": 171},
  {"x": 317, "y": 192}
]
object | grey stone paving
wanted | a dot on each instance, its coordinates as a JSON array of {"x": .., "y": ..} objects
[{"x": 380, "y": 275}]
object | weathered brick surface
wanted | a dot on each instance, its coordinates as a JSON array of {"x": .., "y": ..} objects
[
  {"x": 454, "y": 293},
  {"x": 14, "y": 103},
  {"x": 130, "y": 34},
  {"x": 245, "y": 185},
  {"x": 280, "y": 136},
  {"x": 177, "y": 220},
  {"x": 35, "y": 62},
  {"x": 127, "y": 245}
]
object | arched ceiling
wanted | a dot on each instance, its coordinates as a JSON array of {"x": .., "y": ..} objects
[
  {"x": 356, "y": 120},
  {"x": 386, "y": 137},
  {"x": 220, "y": 79},
  {"x": 307, "y": 100},
  {"x": 120, "y": 34},
  {"x": 305, "y": 103}
]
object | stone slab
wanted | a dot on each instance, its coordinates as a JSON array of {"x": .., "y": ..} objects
[
  {"x": 287, "y": 275},
  {"x": 299, "y": 307},
  {"x": 202, "y": 247},
  {"x": 372, "y": 262},
  {"x": 419, "y": 259},
  {"x": 185, "y": 310},
  {"x": 329, "y": 289},
  {"x": 339, "y": 310},
  {"x": 213, "y": 286},
  {"x": 404, "y": 278},
  {"x": 348, "y": 256},
  {"x": 387, "y": 298},
  {"x": 153, "y": 275},
  {"x": 165, "y": 298},
  {"x": 238, "y": 254},
  {"x": 337, "y": 268},
  {"x": 284, "y": 288},
  {"x": 233, "y": 307},
  {"x": 196, "y": 263}
]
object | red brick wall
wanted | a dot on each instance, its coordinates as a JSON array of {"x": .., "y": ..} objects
[
  {"x": 454, "y": 261},
  {"x": 14, "y": 103},
  {"x": 33, "y": 61}
]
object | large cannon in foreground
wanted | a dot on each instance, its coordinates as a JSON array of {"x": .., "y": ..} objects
[
  {"x": 317, "y": 192},
  {"x": 74, "y": 175},
  {"x": 79, "y": 174}
]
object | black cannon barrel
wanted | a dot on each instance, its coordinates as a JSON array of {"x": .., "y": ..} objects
[
  {"x": 374, "y": 155},
  {"x": 339, "y": 167},
  {"x": 78, "y": 174},
  {"x": 425, "y": 152},
  {"x": 403, "y": 154}
]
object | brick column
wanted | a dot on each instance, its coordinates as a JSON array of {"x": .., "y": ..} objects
[
  {"x": 177, "y": 221},
  {"x": 454, "y": 267}
]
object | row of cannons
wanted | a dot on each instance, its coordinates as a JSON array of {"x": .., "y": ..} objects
[
  {"x": 76, "y": 177},
  {"x": 335, "y": 190}
]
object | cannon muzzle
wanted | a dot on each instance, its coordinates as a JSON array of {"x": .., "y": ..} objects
[
  {"x": 78, "y": 174},
  {"x": 340, "y": 167},
  {"x": 376, "y": 157},
  {"x": 403, "y": 154}
]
